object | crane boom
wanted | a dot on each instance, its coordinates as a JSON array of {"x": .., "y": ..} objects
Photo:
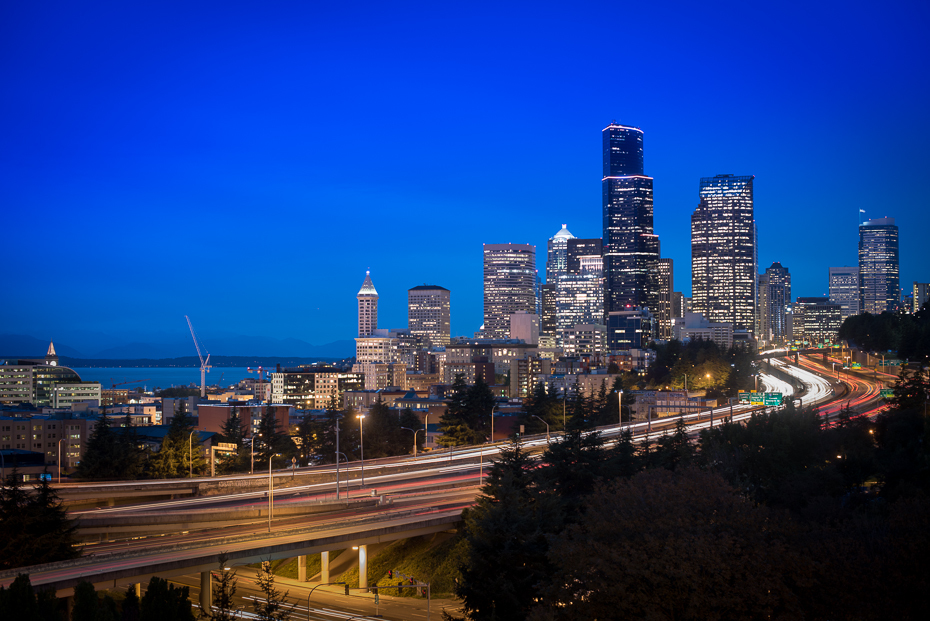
[{"x": 204, "y": 364}]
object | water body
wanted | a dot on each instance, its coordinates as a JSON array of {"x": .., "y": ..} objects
[{"x": 161, "y": 377}]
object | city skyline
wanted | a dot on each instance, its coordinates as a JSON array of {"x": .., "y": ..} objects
[{"x": 146, "y": 167}]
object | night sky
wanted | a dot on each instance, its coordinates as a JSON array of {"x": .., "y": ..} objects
[{"x": 245, "y": 163}]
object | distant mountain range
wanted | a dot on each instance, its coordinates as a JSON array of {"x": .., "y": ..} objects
[{"x": 14, "y": 346}]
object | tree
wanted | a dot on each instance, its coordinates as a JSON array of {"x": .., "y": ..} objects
[
  {"x": 19, "y": 601},
  {"x": 467, "y": 418},
  {"x": 163, "y": 601},
  {"x": 507, "y": 540},
  {"x": 224, "y": 590},
  {"x": 308, "y": 431},
  {"x": 274, "y": 441},
  {"x": 666, "y": 545},
  {"x": 35, "y": 527},
  {"x": 570, "y": 469},
  {"x": 274, "y": 606},
  {"x": 130, "y": 610},
  {"x": 85, "y": 602},
  {"x": 181, "y": 451},
  {"x": 111, "y": 453}
]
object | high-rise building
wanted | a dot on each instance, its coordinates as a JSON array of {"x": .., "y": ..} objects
[
  {"x": 664, "y": 309},
  {"x": 509, "y": 285},
  {"x": 557, "y": 258},
  {"x": 579, "y": 249},
  {"x": 428, "y": 314},
  {"x": 921, "y": 294},
  {"x": 723, "y": 252},
  {"x": 844, "y": 290},
  {"x": 367, "y": 307},
  {"x": 819, "y": 319},
  {"x": 878, "y": 266},
  {"x": 547, "y": 318},
  {"x": 631, "y": 249},
  {"x": 774, "y": 290},
  {"x": 579, "y": 296}
]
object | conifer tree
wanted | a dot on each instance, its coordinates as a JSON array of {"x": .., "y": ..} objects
[{"x": 274, "y": 606}]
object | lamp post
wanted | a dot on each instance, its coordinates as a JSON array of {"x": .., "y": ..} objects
[
  {"x": 309, "y": 618},
  {"x": 252, "y": 451},
  {"x": 620, "y": 407},
  {"x": 361, "y": 435},
  {"x": 190, "y": 455},
  {"x": 547, "y": 427},
  {"x": 414, "y": 438},
  {"x": 270, "y": 492},
  {"x": 59, "y": 459},
  {"x": 493, "y": 407},
  {"x": 564, "y": 396}
]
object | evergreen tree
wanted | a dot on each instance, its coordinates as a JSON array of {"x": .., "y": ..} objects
[
  {"x": 181, "y": 452},
  {"x": 308, "y": 443},
  {"x": 35, "y": 527},
  {"x": 468, "y": 417},
  {"x": 224, "y": 592},
  {"x": 273, "y": 439},
  {"x": 130, "y": 610},
  {"x": 19, "y": 601},
  {"x": 85, "y": 602},
  {"x": 571, "y": 467},
  {"x": 274, "y": 606},
  {"x": 507, "y": 541},
  {"x": 163, "y": 601}
]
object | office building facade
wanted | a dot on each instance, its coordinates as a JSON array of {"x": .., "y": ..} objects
[
  {"x": 557, "y": 257},
  {"x": 429, "y": 314},
  {"x": 920, "y": 293},
  {"x": 665, "y": 308},
  {"x": 367, "y": 307},
  {"x": 844, "y": 290},
  {"x": 509, "y": 285},
  {"x": 724, "y": 252},
  {"x": 774, "y": 290},
  {"x": 630, "y": 247},
  {"x": 878, "y": 266}
]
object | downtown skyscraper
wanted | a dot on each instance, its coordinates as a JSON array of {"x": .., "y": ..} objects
[
  {"x": 428, "y": 314},
  {"x": 509, "y": 285},
  {"x": 774, "y": 291},
  {"x": 878, "y": 266},
  {"x": 724, "y": 252},
  {"x": 631, "y": 249}
]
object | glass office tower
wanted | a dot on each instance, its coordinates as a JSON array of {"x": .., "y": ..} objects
[
  {"x": 631, "y": 249},
  {"x": 723, "y": 252},
  {"x": 878, "y": 266}
]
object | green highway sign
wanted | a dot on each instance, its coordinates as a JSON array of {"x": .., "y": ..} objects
[
  {"x": 744, "y": 397},
  {"x": 773, "y": 398},
  {"x": 887, "y": 393},
  {"x": 890, "y": 363},
  {"x": 856, "y": 365}
]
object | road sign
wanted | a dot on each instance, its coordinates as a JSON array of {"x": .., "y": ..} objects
[
  {"x": 757, "y": 398},
  {"x": 744, "y": 397},
  {"x": 887, "y": 393},
  {"x": 856, "y": 365},
  {"x": 773, "y": 398},
  {"x": 890, "y": 363}
]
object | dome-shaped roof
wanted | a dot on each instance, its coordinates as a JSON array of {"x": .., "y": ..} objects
[{"x": 563, "y": 233}]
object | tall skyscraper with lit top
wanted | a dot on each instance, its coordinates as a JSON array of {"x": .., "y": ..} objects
[
  {"x": 724, "y": 252},
  {"x": 631, "y": 249},
  {"x": 428, "y": 314},
  {"x": 878, "y": 266},
  {"x": 367, "y": 307}
]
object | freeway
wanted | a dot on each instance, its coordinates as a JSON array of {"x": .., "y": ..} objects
[{"x": 400, "y": 497}]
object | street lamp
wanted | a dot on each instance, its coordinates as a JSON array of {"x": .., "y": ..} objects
[
  {"x": 361, "y": 434},
  {"x": 414, "y": 438},
  {"x": 547, "y": 427},
  {"x": 59, "y": 459},
  {"x": 252, "y": 451},
  {"x": 620, "y": 406},
  {"x": 493, "y": 407},
  {"x": 270, "y": 490},
  {"x": 190, "y": 455},
  {"x": 309, "y": 618}
]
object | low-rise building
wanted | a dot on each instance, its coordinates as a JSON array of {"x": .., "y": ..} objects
[{"x": 693, "y": 327}]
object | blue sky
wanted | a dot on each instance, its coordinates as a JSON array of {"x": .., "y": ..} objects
[{"x": 245, "y": 163}]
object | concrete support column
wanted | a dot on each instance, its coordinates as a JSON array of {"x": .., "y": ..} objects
[
  {"x": 206, "y": 591},
  {"x": 302, "y": 568},
  {"x": 138, "y": 586},
  {"x": 324, "y": 567},
  {"x": 69, "y": 606},
  {"x": 363, "y": 567}
]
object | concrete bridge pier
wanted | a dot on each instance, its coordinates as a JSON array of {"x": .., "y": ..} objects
[
  {"x": 324, "y": 567},
  {"x": 302, "y": 568},
  {"x": 138, "y": 586},
  {"x": 206, "y": 591},
  {"x": 363, "y": 567}
]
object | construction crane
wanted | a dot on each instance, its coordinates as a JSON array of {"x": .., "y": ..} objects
[
  {"x": 204, "y": 364},
  {"x": 114, "y": 384}
]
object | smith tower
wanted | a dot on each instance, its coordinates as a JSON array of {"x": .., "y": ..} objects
[
  {"x": 631, "y": 249},
  {"x": 367, "y": 307}
]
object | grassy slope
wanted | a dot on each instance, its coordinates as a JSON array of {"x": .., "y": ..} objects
[{"x": 432, "y": 558}]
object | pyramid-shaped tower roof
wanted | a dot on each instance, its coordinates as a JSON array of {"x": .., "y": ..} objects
[
  {"x": 51, "y": 350},
  {"x": 368, "y": 287}
]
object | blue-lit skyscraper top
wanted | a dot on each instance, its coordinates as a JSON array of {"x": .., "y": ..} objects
[{"x": 623, "y": 150}]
